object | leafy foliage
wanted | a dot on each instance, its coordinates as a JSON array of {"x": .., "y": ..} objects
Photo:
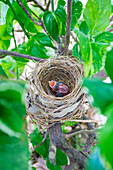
[
  {"x": 13, "y": 143},
  {"x": 43, "y": 150},
  {"x": 76, "y": 12},
  {"x": 51, "y": 25},
  {"x": 93, "y": 47},
  {"x": 109, "y": 64},
  {"x": 97, "y": 12}
]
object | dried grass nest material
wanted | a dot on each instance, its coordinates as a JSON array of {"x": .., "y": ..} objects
[{"x": 41, "y": 105}]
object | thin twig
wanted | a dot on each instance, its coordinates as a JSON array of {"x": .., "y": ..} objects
[
  {"x": 27, "y": 13},
  {"x": 111, "y": 29},
  {"x": 73, "y": 36},
  {"x": 16, "y": 54},
  {"x": 68, "y": 26},
  {"x": 111, "y": 18},
  {"x": 79, "y": 132},
  {"x": 39, "y": 23},
  {"x": 84, "y": 121},
  {"x": 17, "y": 18},
  {"x": 39, "y": 6},
  {"x": 45, "y": 136}
]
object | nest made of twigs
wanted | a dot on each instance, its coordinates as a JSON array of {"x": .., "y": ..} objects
[{"x": 45, "y": 108}]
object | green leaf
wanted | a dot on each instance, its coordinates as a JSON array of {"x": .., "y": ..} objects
[
  {"x": 92, "y": 53},
  {"x": 8, "y": 116},
  {"x": 76, "y": 12},
  {"x": 14, "y": 152},
  {"x": 2, "y": 73},
  {"x": 51, "y": 25},
  {"x": 105, "y": 37},
  {"x": 75, "y": 52},
  {"x": 84, "y": 27},
  {"x": 36, "y": 138},
  {"x": 8, "y": 64},
  {"x": 60, "y": 14},
  {"x": 61, "y": 158},
  {"x": 21, "y": 15},
  {"x": 43, "y": 39},
  {"x": 97, "y": 14},
  {"x": 3, "y": 9},
  {"x": 35, "y": 49},
  {"x": 94, "y": 161},
  {"x": 21, "y": 49},
  {"x": 13, "y": 139},
  {"x": 109, "y": 64},
  {"x": 52, "y": 166},
  {"x": 61, "y": 2},
  {"x": 4, "y": 37},
  {"x": 101, "y": 92},
  {"x": 98, "y": 51},
  {"x": 84, "y": 45},
  {"x": 11, "y": 105},
  {"x": 106, "y": 137}
]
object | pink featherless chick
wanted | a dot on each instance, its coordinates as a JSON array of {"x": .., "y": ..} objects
[{"x": 59, "y": 88}]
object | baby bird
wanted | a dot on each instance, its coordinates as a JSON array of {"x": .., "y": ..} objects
[{"x": 59, "y": 88}]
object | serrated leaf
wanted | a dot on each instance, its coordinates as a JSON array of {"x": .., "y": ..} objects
[
  {"x": 101, "y": 92},
  {"x": 61, "y": 2},
  {"x": 105, "y": 37},
  {"x": 96, "y": 14},
  {"x": 76, "y": 12},
  {"x": 61, "y": 158},
  {"x": 43, "y": 39},
  {"x": 94, "y": 161},
  {"x": 15, "y": 151},
  {"x": 92, "y": 53},
  {"x": 84, "y": 27},
  {"x": 51, "y": 25},
  {"x": 60, "y": 13},
  {"x": 36, "y": 138},
  {"x": 109, "y": 64},
  {"x": 106, "y": 137}
]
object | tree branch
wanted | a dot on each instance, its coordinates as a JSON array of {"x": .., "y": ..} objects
[
  {"x": 40, "y": 23},
  {"x": 91, "y": 136},
  {"x": 16, "y": 54},
  {"x": 27, "y": 13},
  {"x": 68, "y": 26},
  {"x": 77, "y": 159}
]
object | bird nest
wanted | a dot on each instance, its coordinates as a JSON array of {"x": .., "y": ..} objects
[{"x": 45, "y": 108}]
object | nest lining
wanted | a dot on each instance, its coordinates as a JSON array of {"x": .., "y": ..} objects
[{"x": 41, "y": 104}]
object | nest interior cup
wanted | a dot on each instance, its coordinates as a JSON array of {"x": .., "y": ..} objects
[{"x": 41, "y": 105}]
